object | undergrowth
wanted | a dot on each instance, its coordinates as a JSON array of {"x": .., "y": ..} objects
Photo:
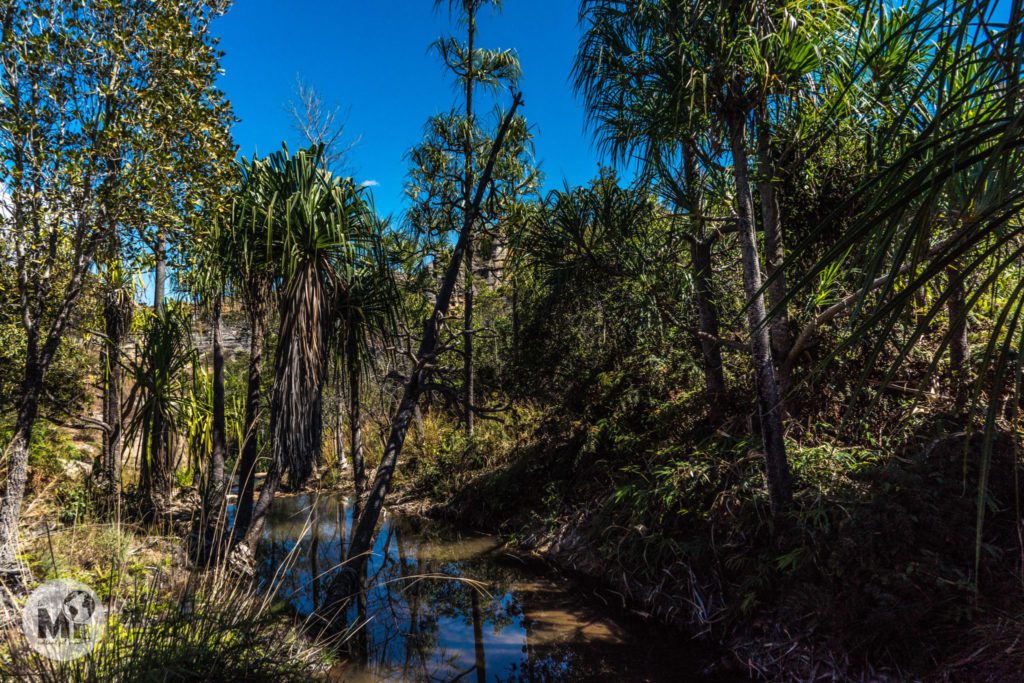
[
  {"x": 874, "y": 562},
  {"x": 166, "y": 620}
]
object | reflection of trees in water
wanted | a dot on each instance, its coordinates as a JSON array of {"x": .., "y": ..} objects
[
  {"x": 410, "y": 614},
  {"x": 292, "y": 555}
]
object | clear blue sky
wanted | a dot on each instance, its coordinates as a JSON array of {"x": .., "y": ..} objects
[{"x": 372, "y": 60}]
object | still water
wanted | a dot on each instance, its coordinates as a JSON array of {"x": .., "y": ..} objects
[{"x": 445, "y": 606}]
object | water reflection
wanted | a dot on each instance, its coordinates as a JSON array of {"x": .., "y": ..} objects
[{"x": 442, "y": 607}]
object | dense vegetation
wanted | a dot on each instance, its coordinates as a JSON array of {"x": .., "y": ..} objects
[{"x": 762, "y": 374}]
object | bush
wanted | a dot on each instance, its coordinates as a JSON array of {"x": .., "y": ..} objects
[{"x": 166, "y": 626}]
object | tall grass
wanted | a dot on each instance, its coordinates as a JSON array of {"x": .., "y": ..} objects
[{"x": 198, "y": 624}]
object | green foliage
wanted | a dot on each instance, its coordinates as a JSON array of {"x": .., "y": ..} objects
[
  {"x": 95, "y": 554},
  {"x": 162, "y": 399},
  {"x": 50, "y": 448},
  {"x": 67, "y": 381},
  {"x": 75, "y": 503},
  {"x": 442, "y": 460},
  {"x": 317, "y": 237},
  {"x": 605, "y": 287}
]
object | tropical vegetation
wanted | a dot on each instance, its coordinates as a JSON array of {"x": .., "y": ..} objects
[{"x": 761, "y": 375}]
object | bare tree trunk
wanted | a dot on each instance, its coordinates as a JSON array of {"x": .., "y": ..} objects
[
  {"x": 314, "y": 550},
  {"x": 467, "y": 188},
  {"x": 159, "y": 273},
  {"x": 17, "y": 467},
  {"x": 515, "y": 322},
  {"x": 217, "y": 490},
  {"x": 959, "y": 347},
  {"x": 109, "y": 399},
  {"x": 775, "y": 256},
  {"x": 361, "y": 642},
  {"x": 707, "y": 321},
  {"x": 250, "y": 442},
  {"x": 355, "y": 418},
  {"x": 780, "y": 484},
  {"x": 262, "y": 506},
  {"x": 115, "y": 323},
  {"x": 707, "y": 310},
  {"x": 774, "y": 241},
  {"x": 478, "y": 636},
  {"x": 467, "y": 333},
  {"x": 161, "y": 468},
  {"x": 339, "y": 431},
  {"x": 346, "y": 582}
]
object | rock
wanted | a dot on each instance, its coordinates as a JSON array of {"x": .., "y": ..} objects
[{"x": 76, "y": 470}]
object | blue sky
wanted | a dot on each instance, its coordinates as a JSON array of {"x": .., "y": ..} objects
[{"x": 372, "y": 60}]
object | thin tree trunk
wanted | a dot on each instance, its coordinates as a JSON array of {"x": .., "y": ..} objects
[
  {"x": 346, "y": 581},
  {"x": 113, "y": 436},
  {"x": 959, "y": 347},
  {"x": 478, "y": 636},
  {"x": 161, "y": 466},
  {"x": 339, "y": 431},
  {"x": 467, "y": 332},
  {"x": 314, "y": 550},
  {"x": 707, "y": 309},
  {"x": 515, "y": 322},
  {"x": 217, "y": 490},
  {"x": 260, "y": 509},
  {"x": 707, "y": 321},
  {"x": 362, "y": 639},
  {"x": 775, "y": 256},
  {"x": 355, "y": 418},
  {"x": 250, "y": 440},
  {"x": 159, "y": 273},
  {"x": 776, "y": 464},
  {"x": 467, "y": 191}
]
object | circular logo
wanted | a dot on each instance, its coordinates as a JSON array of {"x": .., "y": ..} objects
[{"x": 63, "y": 619}]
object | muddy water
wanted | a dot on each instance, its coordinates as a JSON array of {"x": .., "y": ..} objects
[{"x": 444, "y": 606}]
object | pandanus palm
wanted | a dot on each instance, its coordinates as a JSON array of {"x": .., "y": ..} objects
[
  {"x": 317, "y": 227},
  {"x": 250, "y": 270},
  {"x": 670, "y": 71},
  {"x": 948, "y": 198},
  {"x": 604, "y": 248},
  {"x": 206, "y": 279},
  {"x": 118, "y": 304},
  {"x": 366, "y": 311},
  {"x": 160, "y": 375}
]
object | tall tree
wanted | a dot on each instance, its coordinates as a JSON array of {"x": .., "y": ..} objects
[
  {"x": 472, "y": 67},
  {"x": 320, "y": 227},
  {"x": 118, "y": 291},
  {"x": 251, "y": 275},
  {"x": 321, "y": 124},
  {"x": 347, "y": 582},
  {"x": 703, "y": 72},
  {"x": 81, "y": 83}
]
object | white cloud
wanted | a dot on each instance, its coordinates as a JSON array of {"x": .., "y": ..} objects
[{"x": 369, "y": 183}]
